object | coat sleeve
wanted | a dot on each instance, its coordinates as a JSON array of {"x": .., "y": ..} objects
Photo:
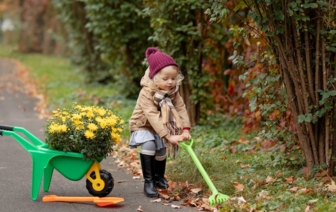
[
  {"x": 182, "y": 111},
  {"x": 152, "y": 114}
]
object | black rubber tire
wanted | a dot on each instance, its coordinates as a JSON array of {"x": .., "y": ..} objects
[{"x": 109, "y": 184}]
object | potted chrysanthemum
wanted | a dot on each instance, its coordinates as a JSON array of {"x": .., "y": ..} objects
[{"x": 89, "y": 130}]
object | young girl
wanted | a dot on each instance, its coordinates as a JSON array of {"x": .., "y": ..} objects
[{"x": 159, "y": 120}]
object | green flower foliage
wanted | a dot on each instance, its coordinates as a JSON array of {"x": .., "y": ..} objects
[{"x": 84, "y": 129}]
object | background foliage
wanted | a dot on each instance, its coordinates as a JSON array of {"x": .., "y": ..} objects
[
  {"x": 122, "y": 40},
  {"x": 301, "y": 53},
  {"x": 181, "y": 28}
]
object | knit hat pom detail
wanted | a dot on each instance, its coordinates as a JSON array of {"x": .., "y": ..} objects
[{"x": 150, "y": 50}]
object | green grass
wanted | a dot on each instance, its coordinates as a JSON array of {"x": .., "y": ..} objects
[{"x": 217, "y": 145}]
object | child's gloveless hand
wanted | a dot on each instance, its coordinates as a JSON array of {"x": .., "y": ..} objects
[
  {"x": 175, "y": 139},
  {"x": 186, "y": 135}
]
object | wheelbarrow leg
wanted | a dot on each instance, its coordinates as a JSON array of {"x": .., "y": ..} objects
[
  {"x": 48, "y": 172},
  {"x": 39, "y": 163}
]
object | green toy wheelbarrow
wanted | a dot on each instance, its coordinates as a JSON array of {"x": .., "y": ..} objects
[{"x": 70, "y": 164}]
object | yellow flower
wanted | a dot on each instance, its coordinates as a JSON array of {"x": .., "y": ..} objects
[
  {"x": 115, "y": 137},
  {"x": 111, "y": 121},
  {"x": 103, "y": 123},
  {"x": 64, "y": 119},
  {"x": 89, "y": 134},
  {"x": 77, "y": 122},
  {"x": 76, "y": 116},
  {"x": 122, "y": 121},
  {"x": 89, "y": 114},
  {"x": 92, "y": 127},
  {"x": 101, "y": 111},
  {"x": 62, "y": 128},
  {"x": 79, "y": 127},
  {"x": 53, "y": 128},
  {"x": 99, "y": 119}
]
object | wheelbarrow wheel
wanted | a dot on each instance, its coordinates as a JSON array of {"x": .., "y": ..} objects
[{"x": 108, "y": 180}]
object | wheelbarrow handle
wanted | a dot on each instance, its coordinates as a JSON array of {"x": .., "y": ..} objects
[
  {"x": 13, "y": 131},
  {"x": 4, "y": 127}
]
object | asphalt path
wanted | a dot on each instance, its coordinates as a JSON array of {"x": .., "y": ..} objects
[{"x": 17, "y": 109}]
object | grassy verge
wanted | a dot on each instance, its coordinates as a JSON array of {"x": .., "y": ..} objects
[{"x": 256, "y": 178}]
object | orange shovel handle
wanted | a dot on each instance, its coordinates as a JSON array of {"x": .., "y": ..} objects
[
  {"x": 103, "y": 201},
  {"x": 54, "y": 198}
]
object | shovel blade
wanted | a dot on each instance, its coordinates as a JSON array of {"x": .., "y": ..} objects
[{"x": 106, "y": 201}]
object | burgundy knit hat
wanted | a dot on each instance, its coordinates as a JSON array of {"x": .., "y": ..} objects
[{"x": 157, "y": 60}]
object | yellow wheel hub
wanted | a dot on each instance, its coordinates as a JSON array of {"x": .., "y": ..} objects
[{"x": 97, "y": 184}]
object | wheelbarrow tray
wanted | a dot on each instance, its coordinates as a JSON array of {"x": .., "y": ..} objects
[{"x": 71, "y": 165}]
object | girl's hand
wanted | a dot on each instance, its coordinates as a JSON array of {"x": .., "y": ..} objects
[
  {"x": 174, "y": 139},
  {"x": 186, "y": 135}
]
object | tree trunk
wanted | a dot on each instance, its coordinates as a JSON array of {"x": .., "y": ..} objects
[{"x": 32, "y": 29}]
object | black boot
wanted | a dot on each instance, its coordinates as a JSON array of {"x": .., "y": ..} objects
[
  {"x": 147, "y": 164},
  {"x": 160, "y": 180}
]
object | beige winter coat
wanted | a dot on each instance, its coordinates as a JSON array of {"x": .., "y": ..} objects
[{"x": 146, "y": 115}]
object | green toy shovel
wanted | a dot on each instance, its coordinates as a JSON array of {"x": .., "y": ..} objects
[{"x": 216, "y": 197}]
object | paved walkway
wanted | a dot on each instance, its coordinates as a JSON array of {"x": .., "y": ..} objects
[{"x": 17, "y": 109}]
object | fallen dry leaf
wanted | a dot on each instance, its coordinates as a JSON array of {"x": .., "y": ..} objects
[
  {"x": 323, "y": 176},
  {"x": 245, "y": 165},
  {"x": 196, "y": 190},
  {"x": 289, "y": 179},
  {"x": 270, "y": 180},
  {"x": 294, "y": 189},
  {"x": 263, "y": 195},
  {"x": 331, "y": 187},
  {"x": 240, "y": 200},
  {"x": 238, "y": 187},
  {"x": 313, "y": 201},
  {"x": 164, "y": 194},
  {"x": 243, "y": 140},
  {"x": 176, "y": 206},
  {"x": 307, "y": 208},
  {"x": 306, "y": 191},
  {"x": 177, "y": 197},
  {"x": 139, "y": 209},
  {"x": 156, "y": 200}
]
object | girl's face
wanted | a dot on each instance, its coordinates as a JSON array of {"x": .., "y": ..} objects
[{"x": 166, "y": 79}]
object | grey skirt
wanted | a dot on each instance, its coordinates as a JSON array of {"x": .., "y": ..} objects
[{"x": 141, "y": 136}]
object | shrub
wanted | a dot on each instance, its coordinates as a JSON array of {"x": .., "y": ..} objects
[{"x": 89, "y": 130}]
